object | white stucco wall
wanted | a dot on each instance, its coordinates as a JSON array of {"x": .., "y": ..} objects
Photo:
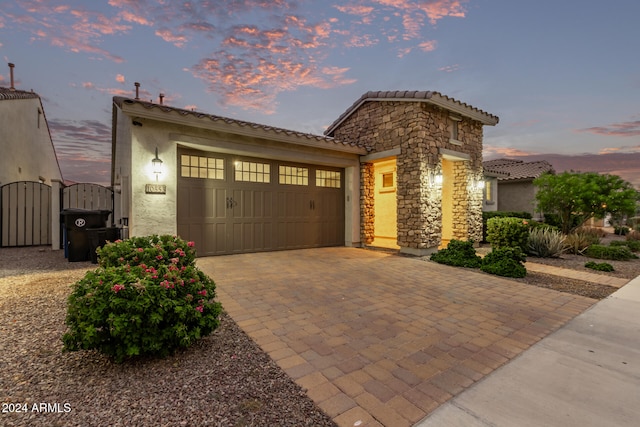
[
  {"x": 157, "y": 213},
  {"x": 27, "y": 150}
]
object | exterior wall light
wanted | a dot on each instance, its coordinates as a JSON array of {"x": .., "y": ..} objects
[
  {"x": 156, "y": 164},
  {"x": 435, "y": 179}
]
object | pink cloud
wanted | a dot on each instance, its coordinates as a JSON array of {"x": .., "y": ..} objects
[
  {"x": 120, "y": 78},
  {"x": 630, "y": 128},
  {"x": 624, "y": 149},
  {"x": 169, "y": 36},
  {"x": 490, "y": 151},
  {"x": 449, "y": 68}
]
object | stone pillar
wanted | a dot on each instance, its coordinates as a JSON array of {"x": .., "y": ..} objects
[{"x": 367, "y": 206}]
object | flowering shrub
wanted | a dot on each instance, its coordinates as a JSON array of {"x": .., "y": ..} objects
[{"x": 146, "y": 298}]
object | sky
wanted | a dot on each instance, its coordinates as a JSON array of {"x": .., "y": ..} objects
[{"x": 563, "y": 76}]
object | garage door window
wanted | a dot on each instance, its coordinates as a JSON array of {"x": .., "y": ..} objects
[
  {"x": 252, "y": 172},
  {"x": 201, "y": 167},
  {"x": 327, "y": 178},
  {"x": 292, "y": 175}
]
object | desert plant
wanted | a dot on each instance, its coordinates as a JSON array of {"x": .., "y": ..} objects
[
  {"x": 458, "y": 253},
  {"x": 505, "y": 261},
  {"x": 545, "y": 243},
  {"x": 633, "y": 245},
  {"x": 603, "y": 266},
  {"x": 508, "y": 232},
  {"x": 620, "y": 253},
  {"x": 578, "y": 241},
  {"x": 152, "y": 302}
]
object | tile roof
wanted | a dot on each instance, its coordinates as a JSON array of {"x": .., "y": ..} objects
[
  {"x": 511, "y": 170},
  {"x": 8, "y": 93},
  {"x": 120, "y": 101},
  {"x": 416, "y": 96}
]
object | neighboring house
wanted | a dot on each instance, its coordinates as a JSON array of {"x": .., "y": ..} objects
[
  {"x": 399, "y": 169},
  {"x": 27, "y": 150},
  {"x": 514, "y": 182}
]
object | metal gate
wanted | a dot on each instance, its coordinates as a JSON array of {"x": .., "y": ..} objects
[{"x": 25, "y": 214}]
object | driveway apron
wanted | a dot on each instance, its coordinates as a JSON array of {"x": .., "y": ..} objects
[{"x": 380, "y": 339}]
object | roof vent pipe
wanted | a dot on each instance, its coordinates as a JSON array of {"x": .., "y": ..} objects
[
  {"x": 11, "y": 66},
  {"x": 137, "y": 85},
  {"x": 161, "y": 98}
]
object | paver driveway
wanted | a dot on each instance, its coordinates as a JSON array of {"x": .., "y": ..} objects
[{"x": 381, "y": 339}]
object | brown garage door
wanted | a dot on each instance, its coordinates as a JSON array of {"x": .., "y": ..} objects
[{"x": 229, "y": 204}]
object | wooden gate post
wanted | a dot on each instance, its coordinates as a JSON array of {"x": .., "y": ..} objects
[{"x": 56, "y": 186}]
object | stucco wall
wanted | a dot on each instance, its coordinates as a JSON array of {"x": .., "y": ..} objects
[
  {"x": 157, "y": 213},
  {"x": 517, "y": 196},
  {"x": 422, "y": 133},
  {"x": 27, "y": 150}
]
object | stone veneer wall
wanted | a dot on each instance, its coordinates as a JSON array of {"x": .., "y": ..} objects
[
  {"x": 421, "y": 131},
  {"x": 367, "y": 207}
]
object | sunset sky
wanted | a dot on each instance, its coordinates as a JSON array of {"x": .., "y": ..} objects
[{"x": 562, "y": 75}]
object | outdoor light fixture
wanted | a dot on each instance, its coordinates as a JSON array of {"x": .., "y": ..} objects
[
  {"x": 156, "y": 165},
  {"x": 435, "y": 179}
]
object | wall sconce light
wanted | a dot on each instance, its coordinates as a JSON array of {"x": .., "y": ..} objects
[
  {"x": 435, "y": 179},
  {"x": 479, "y": 184},
  {"x": 156, "y": 164}
]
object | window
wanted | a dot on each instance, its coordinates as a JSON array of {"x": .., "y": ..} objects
[
  {"x": 252, "y": 171},
  {"x": 201, "y": 167},
  {"x": 453, "y": 137},
  {"x": 292, "y": 175},
  {"x": 327, "y": 178},
  {"x": 387, "y": 180},
  {"x": 488, "y": 193}
]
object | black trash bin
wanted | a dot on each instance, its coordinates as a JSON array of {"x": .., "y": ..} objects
[
  {"x": 98, "y": 237},
  {"x": 76, "y": 224}
]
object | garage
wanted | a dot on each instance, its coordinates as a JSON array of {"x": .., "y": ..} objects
[{"x": 231, "y": 204}]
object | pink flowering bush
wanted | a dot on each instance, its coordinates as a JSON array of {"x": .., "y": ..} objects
[{"x": 147, "y": 297}]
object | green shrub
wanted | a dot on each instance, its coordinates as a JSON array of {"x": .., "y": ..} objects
[
  {"x": 457, "y": 253},
  {"x": 505, "y": 261},
  {"x": 621, "y": 231},
  {"x": 500, "y": 214},
  {"x": 554, "y": 220},
  {"x": 545, "y": 243},
  {"x": 633, "y": 245},
  {"x": 603, "y": 266},
  {"x": 508, "y": 232},
  {"x": 578, "y": 241},
  {"x": 620, "y": 253},
  {"x": 146, "y": 298}
]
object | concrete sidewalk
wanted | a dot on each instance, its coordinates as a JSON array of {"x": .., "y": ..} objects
[{"x": 585, "y": 374}]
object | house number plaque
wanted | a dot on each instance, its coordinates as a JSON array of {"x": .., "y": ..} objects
[{"x": 155, "y": 189}]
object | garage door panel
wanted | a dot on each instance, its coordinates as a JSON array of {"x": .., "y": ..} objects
[{"x": 247, "y": 216}]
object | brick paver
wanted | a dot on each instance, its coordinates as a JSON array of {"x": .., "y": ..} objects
[{"x": 378, "y": 338}]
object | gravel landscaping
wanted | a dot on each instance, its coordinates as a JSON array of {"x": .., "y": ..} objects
[{"x": 223, "y": 380}]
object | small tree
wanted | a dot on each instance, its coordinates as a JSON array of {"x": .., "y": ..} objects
[{"x": 579, "y": 195}]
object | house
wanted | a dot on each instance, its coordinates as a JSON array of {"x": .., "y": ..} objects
[
  {"x": 399, "y": 169},
  {"x": 513, "y": 181},
  {"x": 28, "y": 170},
  {"x": 27, "y": 150}
]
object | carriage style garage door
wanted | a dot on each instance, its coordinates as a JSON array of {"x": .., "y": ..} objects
[{"x": 229, "y": 204}]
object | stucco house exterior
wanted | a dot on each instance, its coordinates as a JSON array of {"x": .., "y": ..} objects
[
  {"x": 27, "y": 150},
  {"x": 514, "y": 184},
  {"x": 396, "y": 169}
]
